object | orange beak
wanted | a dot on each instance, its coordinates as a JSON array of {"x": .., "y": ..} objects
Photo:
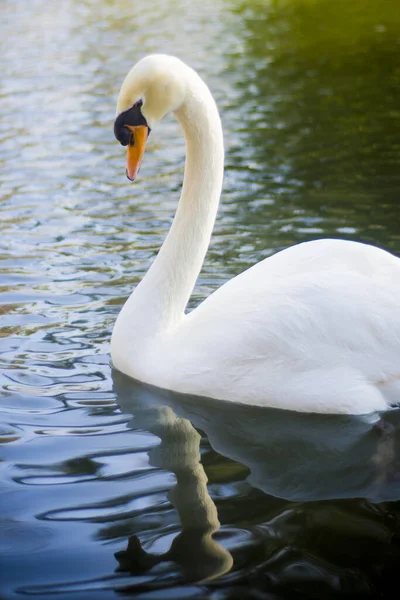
[{"x": 136, "y": 148}]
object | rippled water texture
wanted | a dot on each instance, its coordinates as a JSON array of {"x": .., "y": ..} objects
[{"x": 105, "y": 485}]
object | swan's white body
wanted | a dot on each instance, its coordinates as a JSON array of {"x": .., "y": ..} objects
[{"x": 314, "y": 328}]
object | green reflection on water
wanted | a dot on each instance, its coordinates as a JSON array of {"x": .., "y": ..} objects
[{"x": 319, "y": 85}]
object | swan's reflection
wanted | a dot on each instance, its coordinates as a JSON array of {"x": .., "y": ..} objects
[
  {"x": 200, "y": 557},
  {"x": 292, "y": 456}
]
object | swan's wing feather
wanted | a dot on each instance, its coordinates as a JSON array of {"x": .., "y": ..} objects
[{"x": 322, "y": 311}]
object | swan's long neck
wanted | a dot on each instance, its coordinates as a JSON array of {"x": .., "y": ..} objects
[{"x": 158, "y": 303}]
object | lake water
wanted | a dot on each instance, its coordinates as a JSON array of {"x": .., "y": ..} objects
[{"x": 108, "y": 487}]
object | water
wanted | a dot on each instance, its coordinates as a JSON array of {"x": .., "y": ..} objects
[{"x": 104, "y": 482}]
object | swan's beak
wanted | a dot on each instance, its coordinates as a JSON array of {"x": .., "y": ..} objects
[{"x": 136, "y": 148}]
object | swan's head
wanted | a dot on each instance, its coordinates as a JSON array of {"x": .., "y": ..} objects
[{"x": 155, "y": 86}]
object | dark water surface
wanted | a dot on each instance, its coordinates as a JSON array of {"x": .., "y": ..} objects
[{"x": 109, "y": 488}]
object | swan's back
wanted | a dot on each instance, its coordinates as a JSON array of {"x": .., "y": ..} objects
[{"x": 299, "y": 328}]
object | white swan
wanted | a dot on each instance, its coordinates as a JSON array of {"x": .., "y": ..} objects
[{"x": 314, "y": 328}]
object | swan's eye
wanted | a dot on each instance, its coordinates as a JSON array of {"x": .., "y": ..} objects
[{"x": 123, "y": 136}]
